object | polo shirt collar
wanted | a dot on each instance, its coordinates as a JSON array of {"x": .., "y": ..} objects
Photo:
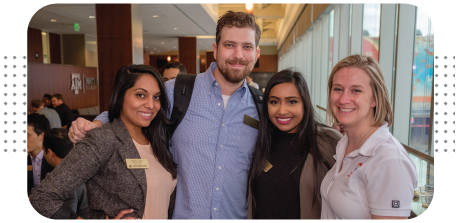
[
  {"x": 210, "y": 80},
  {"x": 371, "y": 144}
]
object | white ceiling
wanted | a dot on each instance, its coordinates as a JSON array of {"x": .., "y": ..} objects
[{"x": 160, "y": 34}]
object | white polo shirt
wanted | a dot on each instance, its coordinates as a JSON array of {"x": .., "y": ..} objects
[{"x": 377, "y": 179}]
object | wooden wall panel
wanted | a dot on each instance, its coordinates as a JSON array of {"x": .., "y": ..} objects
[
  {"x": 146, "y": 56},
  {"x": 267, "y": 63},
  {"x": 34, "y": 45},
  {"x": 188, "y": 53},
  {"x": 153, "y": 61},
  {"x": 202, "y": 63},
  {"x": 56, "y": 78},
  {"x": 54, "y": 48},
  {"x": 114, "y": 45},
  {"x": 209, "y": 59}
]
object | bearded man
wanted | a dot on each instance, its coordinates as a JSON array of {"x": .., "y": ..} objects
[{"x": 212, "y": 146}]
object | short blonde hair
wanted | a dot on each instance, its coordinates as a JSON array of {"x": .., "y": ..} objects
[{"x": 383, "y": 110}]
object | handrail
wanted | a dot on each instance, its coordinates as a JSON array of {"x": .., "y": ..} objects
[
  {"x": 324, "y": 109},
  {"x": 419, "y": 154}
]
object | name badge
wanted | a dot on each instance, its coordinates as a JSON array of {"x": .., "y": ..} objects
[
  {"x": 248, "y": 120},
  {"x": 267, "y": 167},
  {"x": 137, "y": 163},
  {"x": 29, "y": 168}
]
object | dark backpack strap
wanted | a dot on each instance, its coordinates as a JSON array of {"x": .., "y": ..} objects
[
  {"x": 182, "y": 94},
  {"x": 257, "y": 95}
]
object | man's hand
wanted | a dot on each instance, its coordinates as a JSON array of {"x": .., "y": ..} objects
[
  {"x": 80, "y": 127},
  {"x": 122, "y": 213},
  {"x": 339, "y": 127}
]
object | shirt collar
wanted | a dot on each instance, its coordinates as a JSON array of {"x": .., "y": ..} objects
[
  {"x": 371, "y": 144},
  {"x": 38, "y": 157}
]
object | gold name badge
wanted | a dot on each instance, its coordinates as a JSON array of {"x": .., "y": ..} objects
[
  {"x": 137, "y": 163},
  {"x": 29, "y": 168},
  {"x": 267, "y": 167},
  {"x": 248, "y": 120}
]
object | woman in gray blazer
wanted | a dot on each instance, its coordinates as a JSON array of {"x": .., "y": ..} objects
[{"x": 105, "y": 160}]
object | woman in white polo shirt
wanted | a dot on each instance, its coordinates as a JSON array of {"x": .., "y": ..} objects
[{"x": 373, "y": 176}]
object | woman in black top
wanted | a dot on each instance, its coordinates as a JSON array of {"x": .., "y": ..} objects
[{"x": 292, "y": 154}]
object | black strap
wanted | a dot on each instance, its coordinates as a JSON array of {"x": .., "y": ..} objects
[
  {"x": 184, "y": 87},
  {"x": 182, "y": 94},
  {"x": 257, "y": 95}
]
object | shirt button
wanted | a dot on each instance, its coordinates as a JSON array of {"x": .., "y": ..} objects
[
  {"x": 221, "y": 146},
  {"x": 223, "y": 124},
  {"x": 217, "y": 84},
  {"x": 215, "y": 209},
  {"x": 220, "y": 167},
  {"x": 217, "y": 188},
  {"x": 219, "y": 104},
  {"x": 209, "y": 92}
]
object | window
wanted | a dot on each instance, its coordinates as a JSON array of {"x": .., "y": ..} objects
[{"x": 371, "y": 27}]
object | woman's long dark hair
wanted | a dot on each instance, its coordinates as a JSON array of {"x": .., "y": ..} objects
[
  {"x": 307, "y": 132},
  {"x": 156, "y": 132}
]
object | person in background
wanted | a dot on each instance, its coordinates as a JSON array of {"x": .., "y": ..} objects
[
  {"x": 51, "y": 114},
  {"x": 213, "y": 145},
  {"x": 373, "y": 177},
  {"x": 171, "y": 70},
  {"x": 37, "y": 167},
  {"x": 292, "y": 154},
  {"x": 47, "y": 101},
  {"x": 65, "y": 113},
  {"x": 126, "y": 165},
  {"x": 56, "y": 145},
  {"x": 250, "y": 82}
]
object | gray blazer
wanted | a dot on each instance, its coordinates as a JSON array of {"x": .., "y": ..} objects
[{"x": 98, "y": 161}]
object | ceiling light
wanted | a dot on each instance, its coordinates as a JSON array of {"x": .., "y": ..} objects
[
  {"x": 155, "y": 16},
  {"x": 158, "y": 50},
  {"x": 43, "y": 33},
  {"x": 152, "y": 52},
  {"x": 53, "y": 20},
  {"x": 92, "y": 17},
  {"x": 249, "y": 8},
  {"x": 168, "y": 58},
  {"x": 174, "y": 47},
  {"x": 162, "y": 42},
  {"x": 176, "y": 28}
]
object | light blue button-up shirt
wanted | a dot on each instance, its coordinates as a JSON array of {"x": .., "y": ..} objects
[{"x": 213, "y": 149}]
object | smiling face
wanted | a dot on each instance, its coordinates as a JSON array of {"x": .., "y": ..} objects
[
  {"x": 141, "y": 103},
  {"x": 285, "y": 107},
  {"x": 56, "y": 102},
  {"x": 236, "y": 54},
  {"x": 352, "y": 98}
]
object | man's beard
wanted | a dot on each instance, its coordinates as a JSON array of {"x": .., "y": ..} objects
[{"x": 231, "y": 75}]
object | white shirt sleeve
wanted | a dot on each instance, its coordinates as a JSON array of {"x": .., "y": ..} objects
[{"x": 390, "y": 184}]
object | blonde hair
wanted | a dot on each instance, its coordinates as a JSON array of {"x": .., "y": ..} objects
[{"x": 383, "y": 110}]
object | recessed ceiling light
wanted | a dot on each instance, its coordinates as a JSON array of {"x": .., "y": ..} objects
[
  {"x": 43, "y": 33},
  {"x": 155, "y": 16},
  {"x": 92, "y": 17},
  {"x": 152, "y": 52},
  {"x": 176, "y": 28},
  {"x": 162, "y": 42},
  {"x": 174, "y": 47},
  {"x": 53, "y": 20}
]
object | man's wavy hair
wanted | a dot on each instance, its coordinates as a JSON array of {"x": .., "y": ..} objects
[{"x": 239, "y": 20}]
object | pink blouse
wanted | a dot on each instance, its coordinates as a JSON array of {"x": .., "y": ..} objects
[{"x": 160, "y": 185}]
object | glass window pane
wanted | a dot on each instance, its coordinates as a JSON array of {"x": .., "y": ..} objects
[
  {"x": 371, "y": 26},
  {"x": 330, "y": 42},
  {"x": 422, "y": 84}
]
